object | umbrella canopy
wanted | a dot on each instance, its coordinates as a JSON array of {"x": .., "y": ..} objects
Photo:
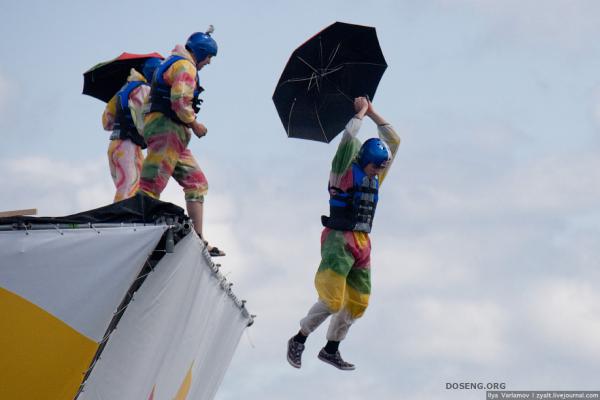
[
  {"x": 315, "y": 94},
  {"x": 103, "y": 80}
]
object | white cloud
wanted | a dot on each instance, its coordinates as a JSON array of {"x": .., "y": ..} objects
[
  {"x": 596, "y": 106},
  {"x": 566, "y": 314},
  {"x": 561, "y": 22},
  {"x": 551, "y": 186},
  {"x": 469, "y": 331},
  {"x": 55, "y": 187},
  {"x": 4, "y": 93}
]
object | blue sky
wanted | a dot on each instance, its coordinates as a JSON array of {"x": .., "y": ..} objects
[{"x": 486, "y": 241}]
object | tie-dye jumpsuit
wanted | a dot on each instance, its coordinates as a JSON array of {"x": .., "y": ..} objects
[
  {"x": 167, "y": 140},
  {"x": 343, "y": 280},
  {"x": 125, "y": 157}
]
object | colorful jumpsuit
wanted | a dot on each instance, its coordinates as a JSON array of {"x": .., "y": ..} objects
[
  {"x": 343, "y": 280},
  {"x": 125, "y": 157},
  {"x": 167, "y": 140}
]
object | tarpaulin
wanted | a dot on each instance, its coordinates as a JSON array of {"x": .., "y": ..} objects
[
  {"x": 176, "y": 339},
  {"x": 59, "y": 290}
]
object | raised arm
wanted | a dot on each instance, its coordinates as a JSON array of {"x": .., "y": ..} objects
[
  {"x": 388, "y": 135},
  {"x": 349, "y": 145}
]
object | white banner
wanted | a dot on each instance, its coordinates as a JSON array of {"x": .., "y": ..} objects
[
  {"x": 78, "y": 275},
  {"x": 176, "y": 339}
]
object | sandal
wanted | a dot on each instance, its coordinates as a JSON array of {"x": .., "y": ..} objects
[
  {"x": 212, "y": 251},
  {"x": 215, "y": 252}
]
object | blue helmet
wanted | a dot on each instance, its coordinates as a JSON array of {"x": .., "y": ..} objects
[
  {"x": 373, "y": 151},
  {"x": 149, "y": 67},
  {"x": 201, "y": 45}
]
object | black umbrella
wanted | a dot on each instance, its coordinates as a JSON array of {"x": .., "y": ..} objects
[
  {"x": 315, "y": 94},
  {"x": 103, "y": 80}
]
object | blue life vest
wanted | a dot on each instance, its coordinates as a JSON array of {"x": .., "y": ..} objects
[
  {"x": 124, "y": 127},
  {"x": 160, "y": 95},
  {"x": 354, "y": 209}
]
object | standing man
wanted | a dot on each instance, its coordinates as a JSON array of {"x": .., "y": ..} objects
[
  {"x": 343, "y": 280},
  {"x": 124, "y": 116},
  {"x": 169, "y": 123}
]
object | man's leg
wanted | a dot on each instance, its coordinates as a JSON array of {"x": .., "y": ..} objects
[
  {"x": 330, "y": 282},
  {"x": 126, "y": 163},
  {"x": 195, "y": 186},
  {"x": 113, "y": 160},
  {"x": 315, "y": 317},
  {"x": 357, "y": 291},
  {"x": 165, "y": 145},
  {"x": 195, "y": 210}
]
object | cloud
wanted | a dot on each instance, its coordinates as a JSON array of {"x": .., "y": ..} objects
[
  {"x": 596, "y": 106},
  {"x": 457, "y": 329},
  {"x": 534, "y": 22},
  {"x": 54, "y": 187},
  {"x": 566, "y": 315},
  {"x": 548, "y": 186},
  {"x": 4, "y": 93}
]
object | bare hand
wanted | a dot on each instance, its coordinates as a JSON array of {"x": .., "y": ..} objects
[
  {"x": 370, "y": 109},
  {"x": 360, "y": 106},
  {"x": 198, "y": 129}
]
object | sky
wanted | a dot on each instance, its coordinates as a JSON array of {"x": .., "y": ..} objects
[{"x": 485, "y": 245}]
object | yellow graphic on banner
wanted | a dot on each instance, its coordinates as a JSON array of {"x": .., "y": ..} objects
[
  {"x": 185, "y": 386},
  {"x": 42, "y": 357}
]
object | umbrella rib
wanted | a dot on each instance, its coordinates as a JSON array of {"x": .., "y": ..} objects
[
  {"x": 333, "y": 55},
  {"x": 343, "y": 94},
  {"x": 321, "y": 50},
  {"x": 336, "y": 69},
  {"x": 290, "y": 117},
  {"x": 297, "y": 80},
  {"x": 313, "y": 76},
  {"x": 320, "y": 124},
  {"x": 307, "y": 64},
  {"x": 310, "y": 78}
]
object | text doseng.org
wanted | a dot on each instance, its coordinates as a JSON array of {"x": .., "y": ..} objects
[{"x": 475, "y": 385}]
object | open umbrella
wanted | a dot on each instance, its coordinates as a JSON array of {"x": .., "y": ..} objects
[
  {"x": 103, "y": 80},
  {"x": 314, "y": 96}
]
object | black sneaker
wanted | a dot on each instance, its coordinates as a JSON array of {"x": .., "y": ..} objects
[
  {"x": 335, "y": 360},
  {"x": 294, "y": 353}
]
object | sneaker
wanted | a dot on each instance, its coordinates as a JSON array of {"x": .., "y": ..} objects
[
  {"x": 335, "y": 360},
  {"x": 294, "y": 353}
]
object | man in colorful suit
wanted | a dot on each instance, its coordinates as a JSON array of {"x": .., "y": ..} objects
[
  {"x": 169, "y": 122},
  {"x": 123, "y": 116},
  {"x": 343, "y": 280}
]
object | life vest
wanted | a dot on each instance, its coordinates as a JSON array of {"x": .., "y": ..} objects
[
  {"x": 354, "y": 209},
  {"x": 160, "y": 94},
  {"x": 124, "y": 127}
]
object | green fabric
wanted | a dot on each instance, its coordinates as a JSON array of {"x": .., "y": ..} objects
[
  {"x": 149, "y": 171},
  {"x": 345, "y": 154},
  {"x": 334, "y": 254},
  {"x": 159, "y": 123},
  {"x": 360, "y": 280}
]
